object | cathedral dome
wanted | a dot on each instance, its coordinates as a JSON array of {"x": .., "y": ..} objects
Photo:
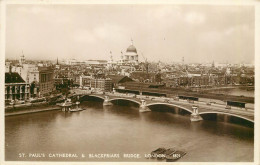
[{"x": 131, "y": 48}]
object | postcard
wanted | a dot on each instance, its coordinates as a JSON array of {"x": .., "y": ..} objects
[{"x": 118, "y": 82}]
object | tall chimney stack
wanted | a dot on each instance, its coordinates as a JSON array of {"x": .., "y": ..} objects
[{"x": 10, "y": 68}]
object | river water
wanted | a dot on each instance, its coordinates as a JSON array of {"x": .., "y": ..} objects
[{"x": 122, "y": 130}]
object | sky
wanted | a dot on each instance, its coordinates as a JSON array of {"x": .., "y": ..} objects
[{"x": 199, "y": 33}]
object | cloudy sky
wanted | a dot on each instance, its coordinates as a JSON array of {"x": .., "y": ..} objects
[{"x": 199, "y": 33}]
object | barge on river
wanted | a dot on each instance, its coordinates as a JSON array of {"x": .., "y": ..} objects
[{"x": 68, "y": 106}]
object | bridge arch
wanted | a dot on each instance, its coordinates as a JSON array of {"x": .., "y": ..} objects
[
  {"x": 131, "y": 100},
  {"x": 97, "y": 96},
  {"x": 86, "y": 97},
  {"x": 174, "y": 105},
  {"x": 201, "y": 113}
]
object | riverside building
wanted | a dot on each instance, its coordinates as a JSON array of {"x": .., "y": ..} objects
[
  {"x": 46, "y": 81},
  {"x": 15, "y": 87},
  {"x": 101, "y": 84}
]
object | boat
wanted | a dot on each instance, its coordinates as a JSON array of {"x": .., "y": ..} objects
[
  {"x": 165, "y": 153},
  {"x": 66, "y": 105},
  {"x": 175, "y": 156},
  {"x": 169, "y": 151},
  {"x": 77, "y": 108},
  {"x": 158, "y": 151}
]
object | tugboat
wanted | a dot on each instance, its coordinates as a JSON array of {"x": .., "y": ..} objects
[
  {"x": 77, "y": 108},
  {"x": 66, "y": 105},
  {"x": 175, "y": 156}
]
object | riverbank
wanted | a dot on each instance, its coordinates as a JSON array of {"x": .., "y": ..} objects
[{"x": 34, "y": 109}]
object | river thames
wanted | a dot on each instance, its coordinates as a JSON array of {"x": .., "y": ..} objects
[{"x": 122, "y": 130}]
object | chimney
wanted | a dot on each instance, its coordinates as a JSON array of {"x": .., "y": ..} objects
[{"x": 10, "y": 68}]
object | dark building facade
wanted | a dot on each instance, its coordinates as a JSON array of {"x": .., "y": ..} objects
[{"x": 15, "y": 87}]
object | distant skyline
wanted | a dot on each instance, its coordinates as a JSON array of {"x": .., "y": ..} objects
[{"x": 199, "y": 33}]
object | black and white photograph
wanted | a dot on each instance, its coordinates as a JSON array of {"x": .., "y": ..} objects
[{"x": 129, "y": 82}]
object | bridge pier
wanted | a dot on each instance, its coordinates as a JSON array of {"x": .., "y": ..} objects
[
  {"x": 195, "y": 114},
  {"x": 143, "y": 107},
  {"x": 107, "y": 101},
  {"x": 177, "y": 110}
]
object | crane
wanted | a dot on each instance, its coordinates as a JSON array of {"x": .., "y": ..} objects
[{"x": 146, "y": 64}]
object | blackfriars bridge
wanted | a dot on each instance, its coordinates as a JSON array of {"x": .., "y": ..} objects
[{"x": 194, "y": 107}]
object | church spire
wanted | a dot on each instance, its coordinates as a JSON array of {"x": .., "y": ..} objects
[
  {"x": 57, "y": 61},
  {"x": 111, "y": 56},
  {"x": 22, "y": 59},
  {"x": 132, "y": 41},
  {"x": 213, "y": 64},
  {"x": 122, "y": 55}
]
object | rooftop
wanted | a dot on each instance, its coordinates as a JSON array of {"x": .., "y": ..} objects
[{"x": 13, "y": 77}]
